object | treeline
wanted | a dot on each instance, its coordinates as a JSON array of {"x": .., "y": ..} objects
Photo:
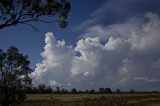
[{"x": 43, "y": 89}]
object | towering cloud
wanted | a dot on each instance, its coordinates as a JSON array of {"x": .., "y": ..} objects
[
  {"x": 57, "y": 60},
  {"x": 125, "y": 55}
]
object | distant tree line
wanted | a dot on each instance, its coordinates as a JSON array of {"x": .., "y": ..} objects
[{"x": 43, "y": 89}]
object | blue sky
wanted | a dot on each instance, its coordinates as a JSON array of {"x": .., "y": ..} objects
[
  {"x": 117, "y": 38},
  {"x": 31, "y": 42}
]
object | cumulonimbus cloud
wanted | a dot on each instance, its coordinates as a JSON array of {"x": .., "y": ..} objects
[
  {"x": 116, "y": 56},
  {"x": 113, "y": 11}
]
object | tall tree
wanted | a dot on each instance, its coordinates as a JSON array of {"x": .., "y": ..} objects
[
  {"x": 73, "y": 90},
  {"x": 13, "y": 12},
  {"x": 14, "y": 70}
]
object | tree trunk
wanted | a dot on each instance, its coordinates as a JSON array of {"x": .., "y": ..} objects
[
  {"x": 6, "y": 93},
  {"x": 6, "y": 97}
]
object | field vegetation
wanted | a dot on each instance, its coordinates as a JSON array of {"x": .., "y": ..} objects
[{"x": 146, "y": 99}]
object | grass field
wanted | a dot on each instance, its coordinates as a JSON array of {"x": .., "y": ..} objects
[{"x": 92, "y": 100}]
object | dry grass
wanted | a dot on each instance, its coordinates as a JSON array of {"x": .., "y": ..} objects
[
  {"x": 154, "y": 104},
  {"x": 92, "y": 100}
]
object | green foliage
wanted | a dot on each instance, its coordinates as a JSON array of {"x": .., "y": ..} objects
[
  {"x": 105, "y": 90},
  {"x": 73, "y": 90},
  {"x": 13, "y": 12},
  {"x": 14, "y": 69},
  {"x": 42, "y": 89}
]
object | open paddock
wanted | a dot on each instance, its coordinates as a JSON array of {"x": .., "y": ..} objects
[{"x": 92, "y": 100}]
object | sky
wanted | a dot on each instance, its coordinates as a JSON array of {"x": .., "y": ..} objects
[{"x": 107, "y": 43}]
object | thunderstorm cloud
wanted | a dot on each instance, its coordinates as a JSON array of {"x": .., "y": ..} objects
[{"x": 124, "y": 55}]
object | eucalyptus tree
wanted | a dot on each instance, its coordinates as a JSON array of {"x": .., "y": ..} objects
[
  {"x": 14, "y": 12},
  {"x": 14, "y": 76}
]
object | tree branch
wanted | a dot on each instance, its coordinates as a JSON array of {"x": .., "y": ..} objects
[{"x": 36, "y": 29}]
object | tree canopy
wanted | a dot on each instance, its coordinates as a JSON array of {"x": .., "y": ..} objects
[
  {"x": 14, "y": 71},
  {"x": 13, "y": 12}
]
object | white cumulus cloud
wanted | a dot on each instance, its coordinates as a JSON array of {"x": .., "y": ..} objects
[{"x": 106, "y": 56}]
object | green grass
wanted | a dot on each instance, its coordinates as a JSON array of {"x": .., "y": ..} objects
[{"x": 92, "y": 100}]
